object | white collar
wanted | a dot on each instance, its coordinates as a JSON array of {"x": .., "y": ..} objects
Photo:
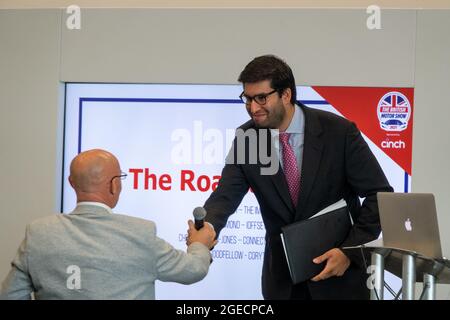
[
  {"x": 297, "y": 124},
  {"x": 97, "y": 204}
]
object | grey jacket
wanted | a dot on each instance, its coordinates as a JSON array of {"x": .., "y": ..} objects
[{"x": 93, "y": 254}]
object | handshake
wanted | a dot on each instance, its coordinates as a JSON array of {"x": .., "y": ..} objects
[{"x": 200, "y": 231}]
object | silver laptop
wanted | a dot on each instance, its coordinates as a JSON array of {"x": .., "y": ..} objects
[{"x": 409, "y": 222}]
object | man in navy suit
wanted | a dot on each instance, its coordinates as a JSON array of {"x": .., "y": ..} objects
[{"x": 323, "y": 158}]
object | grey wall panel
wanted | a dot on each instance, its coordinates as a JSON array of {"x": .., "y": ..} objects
[
  {"x": 29, "y": 78},
  {"x": 324, "y": 47},
  {"x": 431, "y": 136}
]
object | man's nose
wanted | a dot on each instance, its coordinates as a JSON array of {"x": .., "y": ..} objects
[{"x": 254, "y": 106}]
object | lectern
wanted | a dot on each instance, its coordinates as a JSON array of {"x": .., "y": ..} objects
[{"x": 410, "y": 266}]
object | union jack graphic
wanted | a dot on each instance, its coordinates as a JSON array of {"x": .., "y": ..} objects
[{"x": 393, "y": 101}]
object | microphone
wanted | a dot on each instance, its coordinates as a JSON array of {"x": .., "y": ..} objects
[{"x": 199, "y": 217}]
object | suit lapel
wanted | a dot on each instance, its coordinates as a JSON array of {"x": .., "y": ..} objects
[
  {"x": 312, "y": 153},
  {"x": 279, "y": 181},
  {"x": 282, "y": 188}
]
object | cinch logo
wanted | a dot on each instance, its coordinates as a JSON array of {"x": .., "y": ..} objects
[{"x": 393, "y": 144}]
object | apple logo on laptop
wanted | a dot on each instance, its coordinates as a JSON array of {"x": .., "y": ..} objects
[{"x": 408, "y": 225}]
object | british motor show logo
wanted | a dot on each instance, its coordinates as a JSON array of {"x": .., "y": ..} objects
[{"x": 394, "y": 111}]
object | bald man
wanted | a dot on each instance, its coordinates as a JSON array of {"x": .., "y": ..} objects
[{"x": 92, "y": 253}]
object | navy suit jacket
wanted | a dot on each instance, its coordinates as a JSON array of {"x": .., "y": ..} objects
[{"x": 337, "y": 163}]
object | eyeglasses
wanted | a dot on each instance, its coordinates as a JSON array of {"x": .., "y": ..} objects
[
  {"x": 260, "y": 99},
  {"x": 122, "y": 176}
]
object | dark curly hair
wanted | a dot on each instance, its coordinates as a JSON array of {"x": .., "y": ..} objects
[{"x": 270, "y": 67}]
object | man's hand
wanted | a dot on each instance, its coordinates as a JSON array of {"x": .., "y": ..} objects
[
  {"x": 205, "y": 235},
  {"x": 337, "y": 263}
]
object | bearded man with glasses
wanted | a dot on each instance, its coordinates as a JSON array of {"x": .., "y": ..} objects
[{"x": 323, "y": 158}]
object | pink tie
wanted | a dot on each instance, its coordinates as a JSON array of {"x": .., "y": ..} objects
[{"x": 290, "y": 168}]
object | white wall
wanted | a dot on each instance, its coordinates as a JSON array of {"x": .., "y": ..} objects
[
  {"x": 212, "y": 46},
  {"x": 324, "y": 47},
  {"x": 431, "y": 135},
  {"x": 29, "y": 148}
]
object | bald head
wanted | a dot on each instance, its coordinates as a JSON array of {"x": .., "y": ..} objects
[{"x": 91, "y": 173}]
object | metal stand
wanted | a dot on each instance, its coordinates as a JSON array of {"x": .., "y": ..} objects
[
  {"x": 408, "y": 277},
  {"x": 409, "y": 266},
  {"x": 429, "y": 287},
  {"x": 377, "y": 261}
]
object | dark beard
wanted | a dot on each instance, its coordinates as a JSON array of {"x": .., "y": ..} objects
[{"x": 274, "y": 121}]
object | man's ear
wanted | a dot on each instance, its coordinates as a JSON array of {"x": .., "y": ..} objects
[
  {"x": 113, "y": 188},
  {"x": 286, "y": 95},
  {"x": 71, "y": 181}
]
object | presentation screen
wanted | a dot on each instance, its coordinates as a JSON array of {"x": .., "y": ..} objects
[{"x": 172, "y": 141}]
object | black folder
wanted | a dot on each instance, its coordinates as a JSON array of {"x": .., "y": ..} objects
[{"x": 307, "y": 239}]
